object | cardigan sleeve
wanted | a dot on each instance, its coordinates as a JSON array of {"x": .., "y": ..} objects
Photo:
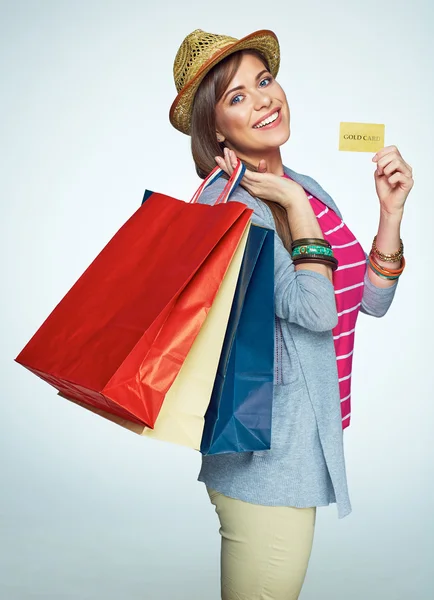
[
  {"x": 301, "y": 296},
  {"x": 376, "y": 301}
]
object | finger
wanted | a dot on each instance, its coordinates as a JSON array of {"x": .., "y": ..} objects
[
  {"x": 383, "y": 162},
  {"x": 409, "y": 167},
  {"x": 392, "y": 152},
  {"x": 262, "y": 167},
  {"x": 401, "y": 179},
  {"x": 221, "y": 163},
  {"x": 230, "y": 168},
  {"x": 250, "y": 181},
  {"x": 254, "y": 182},
  {"x": 224, "y": 165},
  {"x": 233, "y": 159},
  {"x": 384, "y": 151},
  {"x": 390, "y": 163},
  {"x": 396, "y": 165},
  {"x": 252, "y": 178}
]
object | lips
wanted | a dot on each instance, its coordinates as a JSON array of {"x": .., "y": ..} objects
[{"x": 267, "y": 116}]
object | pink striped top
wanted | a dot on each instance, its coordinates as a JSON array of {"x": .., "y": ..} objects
[{"x": 348, "y": 281}]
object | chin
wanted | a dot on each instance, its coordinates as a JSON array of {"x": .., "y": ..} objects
[
  {"x": 286, "y": 131},
  {"x": 285, "y": 136},
  {"x": 279, "y": 138}
]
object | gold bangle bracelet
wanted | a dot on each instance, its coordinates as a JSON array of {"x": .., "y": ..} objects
[{"x": 394, "y": 257}]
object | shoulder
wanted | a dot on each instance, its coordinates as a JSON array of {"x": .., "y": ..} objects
[{"x": 262, "y": 214}]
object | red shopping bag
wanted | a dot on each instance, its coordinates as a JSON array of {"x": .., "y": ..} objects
[{"x": 119, "y": 337}]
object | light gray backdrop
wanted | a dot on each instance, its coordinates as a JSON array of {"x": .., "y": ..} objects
[{"x": 89, "y": 511}]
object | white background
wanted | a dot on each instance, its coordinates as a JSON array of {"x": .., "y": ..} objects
[{"x": 90, "y": 511}]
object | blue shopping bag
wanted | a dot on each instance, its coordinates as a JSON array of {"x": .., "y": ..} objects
[{"x": 238, "y": 418}]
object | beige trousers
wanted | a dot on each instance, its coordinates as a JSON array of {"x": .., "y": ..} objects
[{"x": 265, "y": 550}]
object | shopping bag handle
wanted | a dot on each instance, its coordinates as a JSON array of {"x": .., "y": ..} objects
[{"x": 233, "y": 182}]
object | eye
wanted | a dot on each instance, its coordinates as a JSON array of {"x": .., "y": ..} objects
[
  {"x": 265, "y": 82},
  {"x": 236, "y": 99}
]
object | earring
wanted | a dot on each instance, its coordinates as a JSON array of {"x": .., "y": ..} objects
[{"x": 220, "y": 139}]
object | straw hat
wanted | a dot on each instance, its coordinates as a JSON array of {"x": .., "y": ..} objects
[{"x": 199, "y": 53}]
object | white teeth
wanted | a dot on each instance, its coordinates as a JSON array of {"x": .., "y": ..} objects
[{"x": 270, "y": 119}]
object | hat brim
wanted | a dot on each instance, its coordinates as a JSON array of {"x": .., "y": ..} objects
[{"x": 264, "y": 41}]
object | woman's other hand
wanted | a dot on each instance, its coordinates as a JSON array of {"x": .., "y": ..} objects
[
  {"x": 393, "y": 180},
  {"x": 262, "y": 184}
]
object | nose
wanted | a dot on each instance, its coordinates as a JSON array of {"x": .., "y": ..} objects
[{"x": 262, "y": 99}]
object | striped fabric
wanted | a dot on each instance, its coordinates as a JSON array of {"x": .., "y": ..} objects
[{"x": 348, "y": 283}]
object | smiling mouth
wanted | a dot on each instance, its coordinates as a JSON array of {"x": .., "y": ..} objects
[{"x": 267, "y": 121}]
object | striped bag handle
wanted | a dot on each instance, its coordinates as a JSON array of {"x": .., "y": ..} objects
[{"x": 231, "y": 185}]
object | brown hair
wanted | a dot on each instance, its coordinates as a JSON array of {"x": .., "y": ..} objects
[{"x": 204, "y": 144}]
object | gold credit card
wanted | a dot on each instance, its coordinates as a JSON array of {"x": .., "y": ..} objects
[{"x": 361, "y": 137}]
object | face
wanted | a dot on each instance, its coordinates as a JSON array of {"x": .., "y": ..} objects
[{"x": 253, "y": 114}]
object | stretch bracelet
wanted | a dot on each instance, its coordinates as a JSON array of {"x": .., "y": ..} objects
[
  {"x": 388, "y": 277},
  {"x": 395, "y": 257},
  {"x": 385, "y": 270},
  {"x": 311, "y": 249},
  {"x": 310, "y": 241}
]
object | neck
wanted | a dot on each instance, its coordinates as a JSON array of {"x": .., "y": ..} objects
[{"x": 272, "y": 157}]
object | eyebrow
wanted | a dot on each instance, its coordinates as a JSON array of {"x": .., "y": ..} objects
[{"x": 242, "y": 87}]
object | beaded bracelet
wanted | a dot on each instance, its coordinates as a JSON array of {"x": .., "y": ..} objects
[
  {"x": 395, "y": 257},
  {"x": 311, "y": 249}
]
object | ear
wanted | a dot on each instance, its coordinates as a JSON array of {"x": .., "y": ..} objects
[{"x": 220, "y": 138}]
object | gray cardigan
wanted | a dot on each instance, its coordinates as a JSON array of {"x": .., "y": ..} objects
[{"x": 305, "y": 466}]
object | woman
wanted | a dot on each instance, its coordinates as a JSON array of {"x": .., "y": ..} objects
[{"x": 232, "y": 106}]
